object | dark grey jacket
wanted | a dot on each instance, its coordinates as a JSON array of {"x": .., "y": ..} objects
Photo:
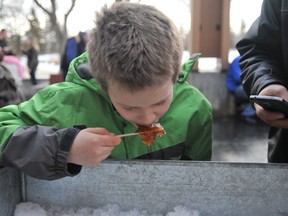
[{"x": 264, "y": 51}]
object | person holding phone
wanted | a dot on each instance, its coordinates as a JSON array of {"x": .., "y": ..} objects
[{"x": 264, "y": 64}]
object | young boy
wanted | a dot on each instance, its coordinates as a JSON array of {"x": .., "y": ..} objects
[{"x": 129, "y": 77}]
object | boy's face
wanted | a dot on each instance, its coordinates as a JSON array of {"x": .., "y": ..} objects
[{"x": 144, "y": 107}]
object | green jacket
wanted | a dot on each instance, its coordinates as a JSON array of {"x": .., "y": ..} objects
[{"x": 36, "y": 135}]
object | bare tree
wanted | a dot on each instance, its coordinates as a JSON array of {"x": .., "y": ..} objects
[
  {"x": 12, "y": 18},
  {"x": 11, "y": 15},
  {"x": 60, "y": 31}
]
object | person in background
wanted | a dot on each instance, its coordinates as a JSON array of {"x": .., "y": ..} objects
[
  {"x": 32, "y": 59},
  {"x": 264, "y": 62},
  {"x": 235, "y": 87},
  {"x": 9, "y": 91},
  {"x": 130, "y": 78},
  {"x": 14, "y": 64},
  {"x": 4, "y": 43},
  {"x": 74, "y": 47}
]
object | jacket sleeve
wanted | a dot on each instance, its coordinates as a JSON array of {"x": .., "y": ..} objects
[
  {"x": 40, "y": 151},
  {"x": 34, "y": 138},
  {"x": 261, "y": 50}
]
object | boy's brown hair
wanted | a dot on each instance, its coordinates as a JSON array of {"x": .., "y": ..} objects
[{"x": 134, "y": 45}]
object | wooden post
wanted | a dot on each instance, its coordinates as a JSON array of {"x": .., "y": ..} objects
[{"x": 210, "y": 29}]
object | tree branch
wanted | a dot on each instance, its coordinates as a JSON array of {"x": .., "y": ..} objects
[
  {"x": 70, "y": 9},
  {"x": 40, "y": 5}
]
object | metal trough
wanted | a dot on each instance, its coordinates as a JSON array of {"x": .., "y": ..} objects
[{"x": 212, "y": 188}]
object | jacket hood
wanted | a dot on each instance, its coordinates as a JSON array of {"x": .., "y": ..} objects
[
  {"x": 187, "y": 67},
  {"x": 79, "y": 73}
]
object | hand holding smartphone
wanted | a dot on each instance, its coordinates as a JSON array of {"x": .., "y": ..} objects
[{"x": 271, "y": 103}]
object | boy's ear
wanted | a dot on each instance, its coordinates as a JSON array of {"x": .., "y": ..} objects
[{"x": 187, "y": 67}]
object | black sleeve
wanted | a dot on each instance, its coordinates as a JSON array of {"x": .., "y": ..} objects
[
  {"x": 41, "y": 151},
  {"x": 261, "y": 50}
]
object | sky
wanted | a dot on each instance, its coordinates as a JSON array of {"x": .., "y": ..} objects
[
  {"x": 83, "y": 15},
  {"x": 177, "y": 10},
  {"x": 239, "y": 9}
]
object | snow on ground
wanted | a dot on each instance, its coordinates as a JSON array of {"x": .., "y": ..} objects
[
  {"x": 34, "y": 209},
  {"x": 48, "y": 64}
]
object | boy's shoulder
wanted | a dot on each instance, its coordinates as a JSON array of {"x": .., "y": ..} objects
[
  {"x": 187, "y": 88},
  {"x": 187, "y": 93}
]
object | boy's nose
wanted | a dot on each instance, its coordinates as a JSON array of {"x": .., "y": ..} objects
[{"x": 147, "y": 119}]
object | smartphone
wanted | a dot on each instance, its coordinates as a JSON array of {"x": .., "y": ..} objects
[{"x": 271, "y": 103}]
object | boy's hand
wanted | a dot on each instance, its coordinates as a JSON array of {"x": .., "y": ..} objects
[
  {"x": 91, "y": 146},
  {"x": 274, "y": 119}
]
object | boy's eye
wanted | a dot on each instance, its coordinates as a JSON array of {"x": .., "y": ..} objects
[
  {"x": 161, "y": 103},
  {"x": 128, "y": 108}
]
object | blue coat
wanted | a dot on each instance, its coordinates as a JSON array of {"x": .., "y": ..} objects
[{"x": 233, "y": 75}]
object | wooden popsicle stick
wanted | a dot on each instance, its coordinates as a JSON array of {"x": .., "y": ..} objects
[{"x": 128, "y": 134}]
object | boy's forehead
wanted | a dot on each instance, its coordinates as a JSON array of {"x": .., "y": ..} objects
[{"x": 145, "y": 97}]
